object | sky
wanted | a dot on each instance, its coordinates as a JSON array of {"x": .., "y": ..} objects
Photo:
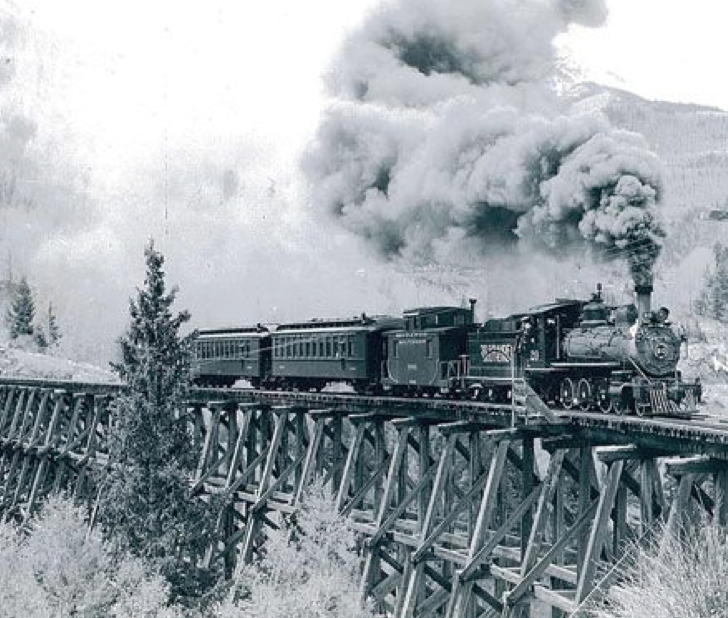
[
  {"x": 184, "y": 121},
  {"x": 669, "y": 50},
  {"x": 124, "y": 77}
]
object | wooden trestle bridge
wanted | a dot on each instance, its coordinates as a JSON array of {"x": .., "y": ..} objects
[{"x": 466, "y": 509}]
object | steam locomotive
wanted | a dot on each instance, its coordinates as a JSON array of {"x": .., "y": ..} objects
[{"x": 573, "y": 353}]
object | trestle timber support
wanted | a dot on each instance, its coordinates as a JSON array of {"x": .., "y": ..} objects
[
  {"x": 49, "y": 441},
  {"x": 458, "y": 518}
]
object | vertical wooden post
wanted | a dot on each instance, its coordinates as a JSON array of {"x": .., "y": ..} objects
[
  {"x": 414, "y": 585},
  {"x": 371, "y": 571},
  {"x": 461, "y": 595},
  {"x": 598, "y": 532},
  {"x": 527, "y": 480}
]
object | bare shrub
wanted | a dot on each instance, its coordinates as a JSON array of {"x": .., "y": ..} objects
[
  {"x": 685, "y": 577},
  {"x": 310, "y": 570},
  {"x": 58, "y": 568}
]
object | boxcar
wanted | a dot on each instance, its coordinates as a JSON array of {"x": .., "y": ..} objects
[
  {"x": 427, "y": 354},
  {"x": 309, "y": 355},
  {"x": 223, "y": 356}
]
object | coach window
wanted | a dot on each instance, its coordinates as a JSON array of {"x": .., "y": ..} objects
[
  {"x": 395, "y": 349},
  {"x": 350, "y": 345},
  {"x": 328, "y": 346},
  {"x": 308, "y": 349},
  {"x": 428, "y": 348}
]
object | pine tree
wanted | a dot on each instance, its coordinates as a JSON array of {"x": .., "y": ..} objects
[
  {"x": 54, "y": 332},
  {"x": 145, "y": 504},
  {"x": 40, "y": 339},
  {"x": 713, "y": 300},
  {"x": 22, "y": 311}
]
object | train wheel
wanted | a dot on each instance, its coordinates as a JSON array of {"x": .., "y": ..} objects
[
  {"x": 566, "y": 393},
  {"x": 584, "y": 394},
  {"x": 605, "y": 403}
]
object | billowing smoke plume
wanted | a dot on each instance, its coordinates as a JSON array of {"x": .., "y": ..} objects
[{"x": 447, "y": 133}]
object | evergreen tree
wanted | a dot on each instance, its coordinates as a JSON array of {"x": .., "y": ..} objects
[
  {"x": 54, "y": 332},
  {"x": 40, "y": 339},
  {"x": 145, "y": 504},
  {"x": 713, "y": 300},
  {"x": 22, "y": 311}
]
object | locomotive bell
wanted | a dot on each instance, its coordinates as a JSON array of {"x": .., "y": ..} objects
[{"x": 644, "y": 301}]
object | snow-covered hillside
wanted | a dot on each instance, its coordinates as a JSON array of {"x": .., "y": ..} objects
[{"x": 20, "y": 363}]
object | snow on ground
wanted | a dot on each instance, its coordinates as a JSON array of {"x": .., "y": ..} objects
[
  {"x": 707, "y": 358},
  {"x": 707, "y": 352},
  {"x": 18, "y": 363}
]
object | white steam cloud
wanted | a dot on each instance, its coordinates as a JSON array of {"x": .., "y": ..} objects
[{"x": 447, "y": 132}]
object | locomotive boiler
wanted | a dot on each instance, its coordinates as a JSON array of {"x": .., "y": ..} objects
[{"x": 624, "y": 358}]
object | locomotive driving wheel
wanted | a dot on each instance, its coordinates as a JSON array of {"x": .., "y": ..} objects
[
  {"x": 605, "y": 401},
  {"x": 584, "y": 394},
  {"x": 566, "y": 393}
]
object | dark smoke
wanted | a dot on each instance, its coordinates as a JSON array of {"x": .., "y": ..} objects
[{"x": 447, "y": 132}]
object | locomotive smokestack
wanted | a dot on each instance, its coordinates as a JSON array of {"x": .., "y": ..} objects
[{"x": 644, "y": 300}]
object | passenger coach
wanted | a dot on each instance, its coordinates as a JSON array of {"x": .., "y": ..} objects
[
  {"x": 309, "y": 355},
  {"x": 225, "y": 355}
]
